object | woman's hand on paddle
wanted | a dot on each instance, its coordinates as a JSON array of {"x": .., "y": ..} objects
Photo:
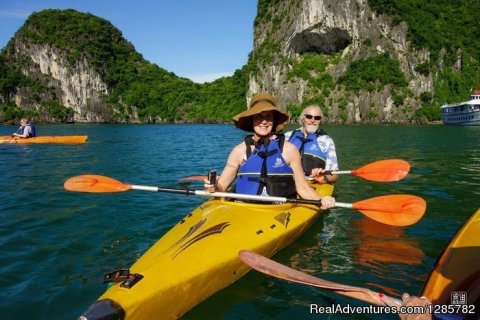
[
  {"x": 318, "y": 176},
  {"x": 410, "y": 301},
  {"x": 209, "y": 187},
  {"x": 327, "y": 202}
]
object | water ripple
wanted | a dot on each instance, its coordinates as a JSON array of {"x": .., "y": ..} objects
[{"x": 56, "y": 245}]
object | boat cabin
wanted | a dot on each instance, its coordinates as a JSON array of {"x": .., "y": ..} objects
[{"x": 464, "y": 113}]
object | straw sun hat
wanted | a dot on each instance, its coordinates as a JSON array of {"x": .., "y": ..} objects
[{"x": 259, "y": 103}]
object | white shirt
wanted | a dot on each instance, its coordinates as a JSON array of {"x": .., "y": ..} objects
[{"x": 326, "y": 144}]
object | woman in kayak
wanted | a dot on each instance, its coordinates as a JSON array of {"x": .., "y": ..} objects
[
  {"x": 26, "y": 130},
  {"x": 316, "y": 147},
  {"x": 264, "y": 163}
]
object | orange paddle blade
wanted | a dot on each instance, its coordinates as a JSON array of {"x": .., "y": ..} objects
[
  {"x": 95, "y": 183},
  {"x": 397, "y": 210},
  {"x": 193, "y": 178},
  {"x": 383, "y": 170}
]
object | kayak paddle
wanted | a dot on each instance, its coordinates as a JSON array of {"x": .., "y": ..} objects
[
  {"x": 280, "y": 271},
  {"x": 380, "y": 171},
  {"x": 397, "y": 210}
]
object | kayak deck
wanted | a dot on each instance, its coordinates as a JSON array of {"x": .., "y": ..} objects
[
  {"x": 44, "y": 139},
  {"x": 199, "y": 256}
]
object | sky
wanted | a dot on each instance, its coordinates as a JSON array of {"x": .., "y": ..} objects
[{"x": 197, "y": 39}]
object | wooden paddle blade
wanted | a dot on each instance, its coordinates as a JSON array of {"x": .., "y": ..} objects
[
  {"x": 193, "y": 178},
  {"x": 95, "y": 183},
  {"x": 396, "y": 210},
  {"x": 383, "y": 170},
  {"x": 280, "y": 271}
]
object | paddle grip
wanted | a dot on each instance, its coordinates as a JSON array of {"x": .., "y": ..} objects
[
  {"x": 212, "y": 177},
  {"x": 304, "y": 201}
]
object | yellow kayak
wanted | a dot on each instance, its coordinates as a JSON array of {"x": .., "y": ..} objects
[
  {"x": 44, "y": 139},
  {"x": 199, "y": 256},
  {"x": 458, "y": 268}
]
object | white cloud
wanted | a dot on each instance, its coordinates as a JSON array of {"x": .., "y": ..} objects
[{"x": 209, "y": 77}]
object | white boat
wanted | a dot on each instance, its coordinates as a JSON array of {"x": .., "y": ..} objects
[{"x": 464, "y": 113}]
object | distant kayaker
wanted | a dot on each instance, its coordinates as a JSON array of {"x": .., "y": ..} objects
[
  {"x": 316, "y": 147},
  {"x": 26, "y": 129},
  {"x": 265, "y": 163}
]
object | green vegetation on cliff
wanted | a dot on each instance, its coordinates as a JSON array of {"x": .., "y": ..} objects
[
  {"x": 450, "y": 30},
  {"x": 436, "y": 25},
  {"x": 373, "y": 73},
  {"x": 11, "y": 78},
  {"x": 83, "y": 35},
  {"x": 133, "y": 83}
]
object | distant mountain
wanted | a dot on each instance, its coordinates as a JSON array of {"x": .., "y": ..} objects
[
  {"x": 372, "y": 61},
  {"x": 369, "y": 61},
  {"x": 64, "y": 65}
]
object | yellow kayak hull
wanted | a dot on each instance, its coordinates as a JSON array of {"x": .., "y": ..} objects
[
  {"x": 44, "y": 139},
  {"x": 199, "y": 256},
  {"x": 458, "y": 268}
]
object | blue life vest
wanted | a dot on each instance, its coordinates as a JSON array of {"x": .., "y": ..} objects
[
  {"x": 311, "y": 153},
  {"x": 266, "y": 168},
  {"x": 32, "y": 131}
]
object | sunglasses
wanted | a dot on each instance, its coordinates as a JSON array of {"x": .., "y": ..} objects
[{"x": 309, "y": 116}]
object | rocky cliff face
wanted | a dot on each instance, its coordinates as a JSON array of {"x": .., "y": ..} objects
[
  {"x": 65, "y": 65},
  {"x": 344, "y": 32},
  {"x": 78, "y": 87},
  {"x": 356, "y": 63}
]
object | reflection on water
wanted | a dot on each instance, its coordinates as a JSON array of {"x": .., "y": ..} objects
[
  {"x": 330, "y": 251},
  {"x": 378, "y": 246},
  {"x": 380, "y": 243},
  {"x": 375, "y": 247}
]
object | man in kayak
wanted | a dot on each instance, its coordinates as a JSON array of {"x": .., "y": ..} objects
[
  {"x": 264, "y": 163},
  {"x": 26, "y": 130},
  {"x": 316, "y": 147}
]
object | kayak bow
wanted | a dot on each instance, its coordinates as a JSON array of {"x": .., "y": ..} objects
[{"x": 458, "y": 268}]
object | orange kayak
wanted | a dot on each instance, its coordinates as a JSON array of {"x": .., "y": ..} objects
[
  {"x": 457, "y": 271},
  {"x": 44, "y": 139}
]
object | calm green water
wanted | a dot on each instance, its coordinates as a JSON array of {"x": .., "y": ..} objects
[{"x": 56, "y": 245}]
